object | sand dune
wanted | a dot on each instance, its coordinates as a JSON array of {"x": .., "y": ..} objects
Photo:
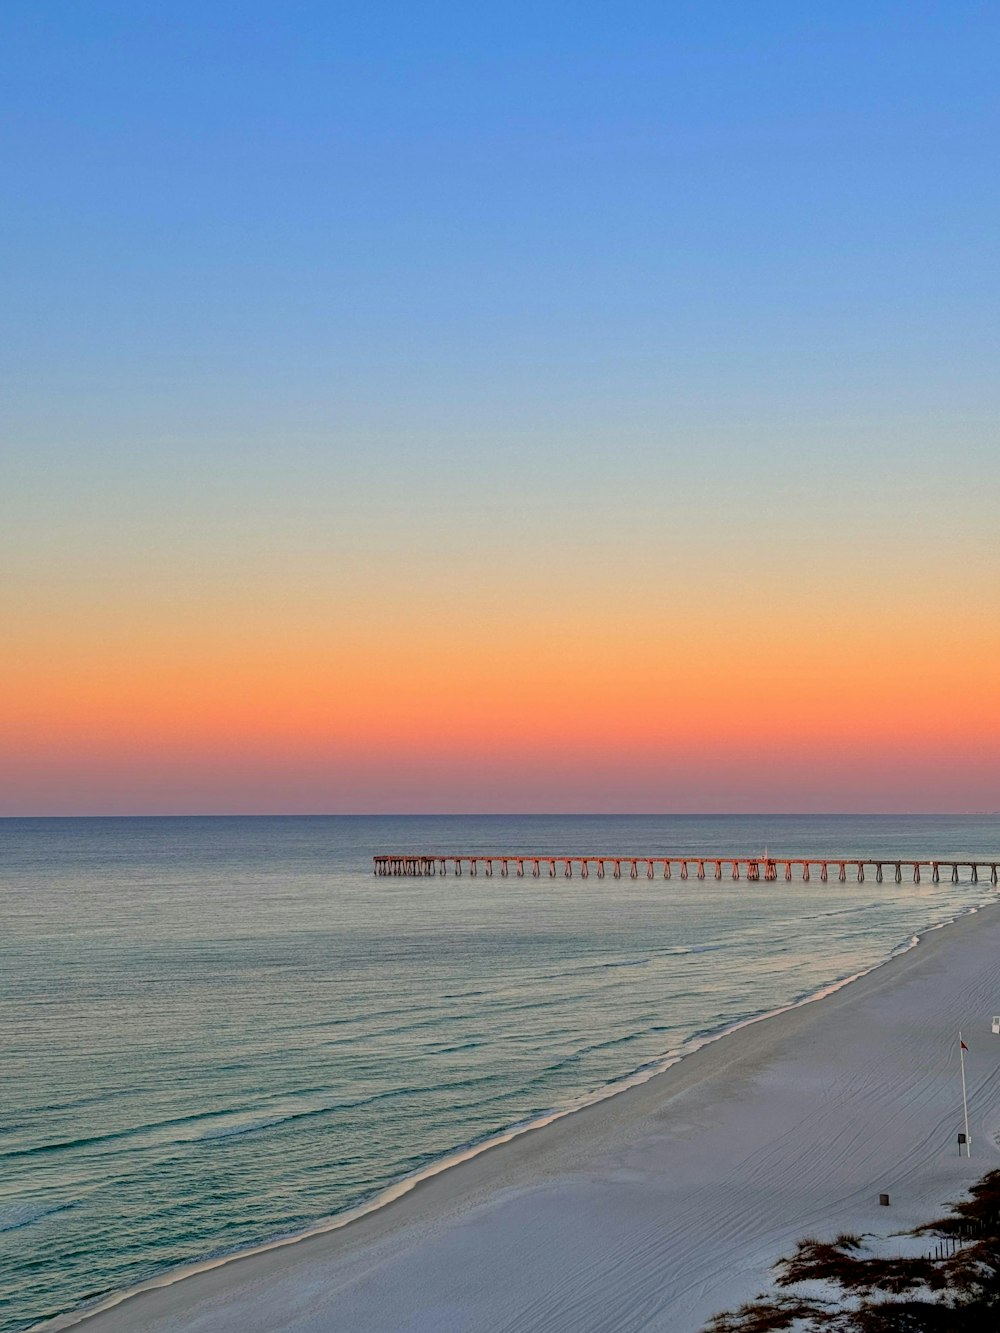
[{"x": 659, "y": 1206}]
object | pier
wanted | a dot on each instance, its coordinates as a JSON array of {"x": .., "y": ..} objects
[{"x": 751, "y": 868}]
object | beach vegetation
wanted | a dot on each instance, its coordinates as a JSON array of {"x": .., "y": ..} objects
[{"x": 839, "y": 1286}]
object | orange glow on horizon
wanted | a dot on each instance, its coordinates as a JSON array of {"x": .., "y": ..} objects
[{"x": 415, "y": 692}]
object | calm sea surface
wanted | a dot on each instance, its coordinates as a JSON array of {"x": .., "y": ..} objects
[{"x": 218, "y": 1031}]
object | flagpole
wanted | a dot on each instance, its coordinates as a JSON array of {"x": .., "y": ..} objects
[{"x": 965, "y": 1100}]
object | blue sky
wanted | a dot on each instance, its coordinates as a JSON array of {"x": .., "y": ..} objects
[{"x": 502, "y": 206}]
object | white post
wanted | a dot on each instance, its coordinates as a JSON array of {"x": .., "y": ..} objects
[{"x": 965, "y": 1100}]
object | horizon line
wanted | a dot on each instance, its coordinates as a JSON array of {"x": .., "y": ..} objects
[{"x": 520, "y": 814}]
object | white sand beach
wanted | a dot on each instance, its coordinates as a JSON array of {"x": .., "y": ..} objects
[{"x": 667, "y": 1202}]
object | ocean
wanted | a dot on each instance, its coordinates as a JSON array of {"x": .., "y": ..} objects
[{"x": 219, "y": 1031}]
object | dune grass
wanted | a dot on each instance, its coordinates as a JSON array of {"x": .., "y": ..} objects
[{"x": 860, "y": 1293}]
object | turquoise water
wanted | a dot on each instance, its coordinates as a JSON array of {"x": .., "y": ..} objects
[{"x": 217, "y": 1031}]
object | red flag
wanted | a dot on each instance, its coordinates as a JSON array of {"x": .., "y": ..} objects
[{"x": 962, "y": 1044}]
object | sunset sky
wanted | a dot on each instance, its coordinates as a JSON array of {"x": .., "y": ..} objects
[{"x": 518, "y": 407}]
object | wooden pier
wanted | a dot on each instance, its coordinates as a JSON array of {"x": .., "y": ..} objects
[{"x": 751, "y": 868}]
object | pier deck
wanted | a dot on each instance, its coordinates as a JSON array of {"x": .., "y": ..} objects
[{"x": 761, "y": 867}]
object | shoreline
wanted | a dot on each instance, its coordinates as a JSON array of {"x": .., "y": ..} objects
[{"x": 444, "y": 1192}]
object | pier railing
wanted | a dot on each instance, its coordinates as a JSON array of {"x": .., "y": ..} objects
[{"x": 701, "y": 867}]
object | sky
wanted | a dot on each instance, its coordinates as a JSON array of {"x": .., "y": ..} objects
[{"x": 526, "y": 407}]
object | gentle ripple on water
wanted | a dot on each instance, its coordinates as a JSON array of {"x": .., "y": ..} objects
[{"x": 217, "y": 1031}]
